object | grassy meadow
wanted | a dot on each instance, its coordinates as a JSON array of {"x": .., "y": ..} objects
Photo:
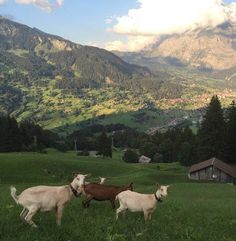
[{"x": 192, "y": 211}]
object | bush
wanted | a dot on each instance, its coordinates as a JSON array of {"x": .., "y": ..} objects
[
  {"x": 148, "y": 149},
  {"x": 62, "y": 147},
  {"x": 83, "y": 153},
  {"x": 157, "y": 158},
  {"x": 130, "y": 156},
  {"x": 42, "y": 151}
]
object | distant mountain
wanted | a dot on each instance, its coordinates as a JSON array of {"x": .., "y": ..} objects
[
  {"x": 63, "y": 85},
  {"x": 212, "y": 48},
  {"x": 211, "y": 51},
  {"x": 29, "y": 47},
  {"x": 57, "y": 82}
]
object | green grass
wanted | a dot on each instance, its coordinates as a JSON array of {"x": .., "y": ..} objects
[{"x": 192, "y": 211}]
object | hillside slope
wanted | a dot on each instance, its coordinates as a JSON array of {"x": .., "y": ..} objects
[{"x": 35, "y": 46}]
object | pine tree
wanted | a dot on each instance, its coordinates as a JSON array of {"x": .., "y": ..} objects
[
  {"x": 26, "y": 133},
  {"x": 104, "y": 145},
  {"x": 230, "y": 137},
  {"x": 9, "y": 134},
  {"x": 211, "y": 132},
  {"x": 149, "y": 149},
  {"x": 166, "y": 150},
  {"x": 13, "y": 142},
  {"x": 3, "y": 133}
]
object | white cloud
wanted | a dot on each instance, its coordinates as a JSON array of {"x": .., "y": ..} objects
[
  {"x": 2, "y": 2},
  {"x": 59, "y": 2},
  {"x": 133, "y": 43},
  {"x": 157, "y": 17},
  {"x": 232, "y": 11},
  {"x": 45, "y": 5},
  {"x": 108, "y": 20}
]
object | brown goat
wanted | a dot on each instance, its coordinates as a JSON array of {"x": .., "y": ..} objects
[{"x": 101, "y": 192}]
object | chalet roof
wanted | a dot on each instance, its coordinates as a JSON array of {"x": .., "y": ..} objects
[{"x": 230, "y": 170}]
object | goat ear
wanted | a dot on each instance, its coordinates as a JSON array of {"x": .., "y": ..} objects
[
  {"x": 88, "y": 175},
  {"x": 169, "y": 186}
]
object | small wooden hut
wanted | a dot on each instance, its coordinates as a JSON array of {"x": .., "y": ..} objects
[{"x": 213, "y": 170}]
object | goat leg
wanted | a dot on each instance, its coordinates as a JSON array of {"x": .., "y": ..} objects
[
  {"x": 113, "y": 203},
  {"x": 29, "y": 217},
  {"x": 59, "y": 214},
  {"x": 146, "y": 215},
  {"x": 121, "y": 209},
  {"x": 24, "y": 213},
  {"x": 86, "y": 202}
]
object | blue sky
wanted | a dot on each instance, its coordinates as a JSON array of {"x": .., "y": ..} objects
[
  {"x": 81, "y": 21},
  {"x": 88, "y": 21}
]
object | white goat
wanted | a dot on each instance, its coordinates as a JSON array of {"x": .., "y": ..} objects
[
  {"x": 138, "y": 202},
  {"x": 102, "y": 180},
  {"x": 47, "y": 198}
]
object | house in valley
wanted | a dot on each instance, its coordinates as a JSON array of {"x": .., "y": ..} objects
[{"x": 144, "y": 159}]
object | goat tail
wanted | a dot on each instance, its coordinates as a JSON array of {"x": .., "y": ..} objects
[{"x": 13, "y": 194}]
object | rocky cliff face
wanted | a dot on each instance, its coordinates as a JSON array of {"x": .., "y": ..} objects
[
  {"x": 209, "y": 48},
  {"x": 18, "y": 36}
]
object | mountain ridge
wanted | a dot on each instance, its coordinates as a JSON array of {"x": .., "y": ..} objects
[{"x": 14, "y": 36}]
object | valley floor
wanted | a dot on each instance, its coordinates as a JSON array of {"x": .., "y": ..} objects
[{"x": 192, "y": 211}]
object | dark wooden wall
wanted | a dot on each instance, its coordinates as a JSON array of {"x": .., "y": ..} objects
[{"x": 211, "y": 173}]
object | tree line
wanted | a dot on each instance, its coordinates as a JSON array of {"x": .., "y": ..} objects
[
  {"x": 217, "y": 134},
  {"x": 216, "y": 137},
  {"x": 25, "y": 136}
]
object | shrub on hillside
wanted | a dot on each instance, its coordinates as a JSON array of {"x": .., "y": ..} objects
[
  {"x": 130, "y": 156},
  {"x": 83, "y": 153},
  {"x": 148, "y": 149},
  {"x": 62, "y": 147},
  {"x": 158, "y": 158}
]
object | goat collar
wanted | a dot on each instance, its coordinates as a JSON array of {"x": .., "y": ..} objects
[
  {"x": 157, "y": 198},
  {"x": 76, "y": 194}
]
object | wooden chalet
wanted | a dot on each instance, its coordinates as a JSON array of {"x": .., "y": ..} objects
[{"x": 213, "y": 170}]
